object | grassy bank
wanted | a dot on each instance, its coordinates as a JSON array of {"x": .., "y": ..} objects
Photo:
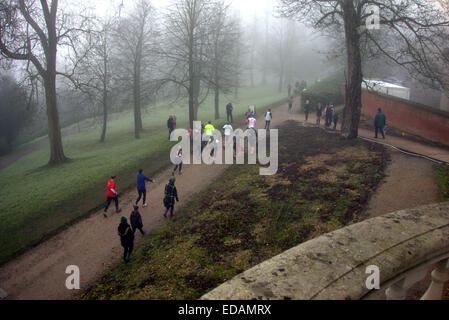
[
  {"x": 36, "y": 200},
  {"x": 442, "y": 179},
  {"x": 322, "y": 184}
]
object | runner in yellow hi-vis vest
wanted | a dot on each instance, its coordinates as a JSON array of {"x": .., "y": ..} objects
[{"x": 209, "y": 130}]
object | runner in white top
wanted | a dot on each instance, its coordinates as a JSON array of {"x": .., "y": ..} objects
[
  {"x": 268, "y": 117},
  {"x": 251, "y": 123},
  {"x": 228, "y": 132}
]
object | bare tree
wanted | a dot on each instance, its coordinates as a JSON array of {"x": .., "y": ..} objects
[
  {"x": 224, "y": 38},
  {"x": 136, "y": 38},
  {"x": 96, "y": 74},
  {"x": 186, "y": 33},
  {"x": 406, "y": 20},
  {"x": 32, "y": 32}
]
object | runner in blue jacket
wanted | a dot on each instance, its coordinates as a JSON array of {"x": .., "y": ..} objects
[{"x": 141, "y": 188}]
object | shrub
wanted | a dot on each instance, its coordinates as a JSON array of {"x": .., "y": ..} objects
[{"x": 325, "y": 91}]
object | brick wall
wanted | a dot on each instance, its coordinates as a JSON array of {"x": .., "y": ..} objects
[{"x": 423, "y": 121}]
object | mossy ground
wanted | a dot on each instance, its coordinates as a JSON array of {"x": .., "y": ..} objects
[{"x": 322, "y": 184}]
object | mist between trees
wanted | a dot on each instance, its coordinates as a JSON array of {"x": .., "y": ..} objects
[{"x": 75, "y": 65}]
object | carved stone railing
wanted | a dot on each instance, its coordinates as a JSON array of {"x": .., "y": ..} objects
[{"x": 403, "y": 246}]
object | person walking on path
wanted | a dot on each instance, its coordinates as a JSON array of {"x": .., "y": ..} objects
[
  {"x": 111, "y": 194},
  {"x": 251, "y": 122},
  {"x": 126, "y": 238},
  {"x": 227, "y": 128},
  {"x": 229, "y": 112},
  {"x": 136, "y": 221},
  {"x": 289, "y": 90},
  {"x": 178, "y": 161},
  {"x": 379, "y": 123},
  {"x": 335, "y": 119},
  {"x": 268, "y": 117},
  {"x": 170, "y": 194},
  {"x": 290, "y": 104},
  {"x": 171, "y": 124},
  {"x": 141, "y": 188},
  {"x": 209, "y": 130},
  {"x": 307, "y": 109},
  {"x": 319, "y": 113}
]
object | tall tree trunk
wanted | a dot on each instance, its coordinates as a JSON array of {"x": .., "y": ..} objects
[
  {"x": 281, "y": 77},
  {"x": 105, "y": 99},
  {"x": 137, "y": 103},
  {"x": 217, "y": 102},
  {"x": 353, "y": 100},
  {"x": 54, "y": 130}
]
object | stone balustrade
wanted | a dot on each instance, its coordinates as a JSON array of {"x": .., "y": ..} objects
[{"x": 402, "y": 245}]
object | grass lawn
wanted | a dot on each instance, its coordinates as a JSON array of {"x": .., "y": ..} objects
[
  {"x": 322, "y": 184},
  {"x": 442, "y": 179},
  {"x": 36, "y": 199}
]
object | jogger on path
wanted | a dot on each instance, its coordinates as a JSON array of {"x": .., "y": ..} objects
[
  {"x": 136, "y": 221},
  {"x": 141, "y": 188},
  {"x": 111, "y": 195},
  {"x": 126, "y": 238},
  {"x": 170, "y": 195}
]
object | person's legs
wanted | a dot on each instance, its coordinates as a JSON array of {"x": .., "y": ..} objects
[
  {"x": 172, "y": 208},
  {"x": 108, "y": 202},
  {"x": 125, "y": 252},
  {"x": 180, "y": 168},
  {"x": 140, "y": 196},
  {"x": 382, "y": 130},
  {"x": 231, "y": 116},
  {"x": 116, "y": 204},
  {"x": 376, "y": 130},
  {"x": 144, "y": 192}
]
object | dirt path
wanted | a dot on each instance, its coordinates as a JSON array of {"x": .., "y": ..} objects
[
  {"x": 409, "y": 183},
  {"x": 93, "y": 244}
]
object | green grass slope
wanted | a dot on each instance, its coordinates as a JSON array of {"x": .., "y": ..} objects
[{"x": 36, "y": 199}]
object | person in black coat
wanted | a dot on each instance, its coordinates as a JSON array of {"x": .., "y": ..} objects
[
  {"x": 335, "y": 120},
  {"x": 136, "y": 221},
  {"x": 319, "y": 113},
  {"x": 229, "y": 112},
  {"x": 170, "y": 125},
  {"x": 126, "y": 238},
  {"x": 170, "y": 195}
]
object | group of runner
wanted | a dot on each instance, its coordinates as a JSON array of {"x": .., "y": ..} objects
[
  {"x": 330, "y": 115},
  {"x": 127, "y": 230}
]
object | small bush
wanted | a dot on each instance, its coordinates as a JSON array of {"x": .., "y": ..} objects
[{"x": 325, "y": 91}]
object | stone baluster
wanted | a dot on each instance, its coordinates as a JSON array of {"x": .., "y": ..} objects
[
  {"x": 439, "y": 276},
  {"x": 398, "y": 290}
]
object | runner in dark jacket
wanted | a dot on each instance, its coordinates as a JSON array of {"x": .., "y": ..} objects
[
  {"x": 229, "y": 112},
  {"x": 126, "y": 238},
  {"x": 335, "y": 119},
  {"x": 170, "y": 195},
  {"x": 136, "y": 221},
  {"x": 319, "y": 113},
  {"x": 141, "y": 188}
]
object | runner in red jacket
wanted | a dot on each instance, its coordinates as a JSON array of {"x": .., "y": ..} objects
[{"x": 111, "y": 194}]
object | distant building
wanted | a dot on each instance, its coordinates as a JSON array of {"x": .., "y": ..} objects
[{"x": 387, "y": 88}]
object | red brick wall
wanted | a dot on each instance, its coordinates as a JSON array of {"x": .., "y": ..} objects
[{"x": 410, "y": 117}]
